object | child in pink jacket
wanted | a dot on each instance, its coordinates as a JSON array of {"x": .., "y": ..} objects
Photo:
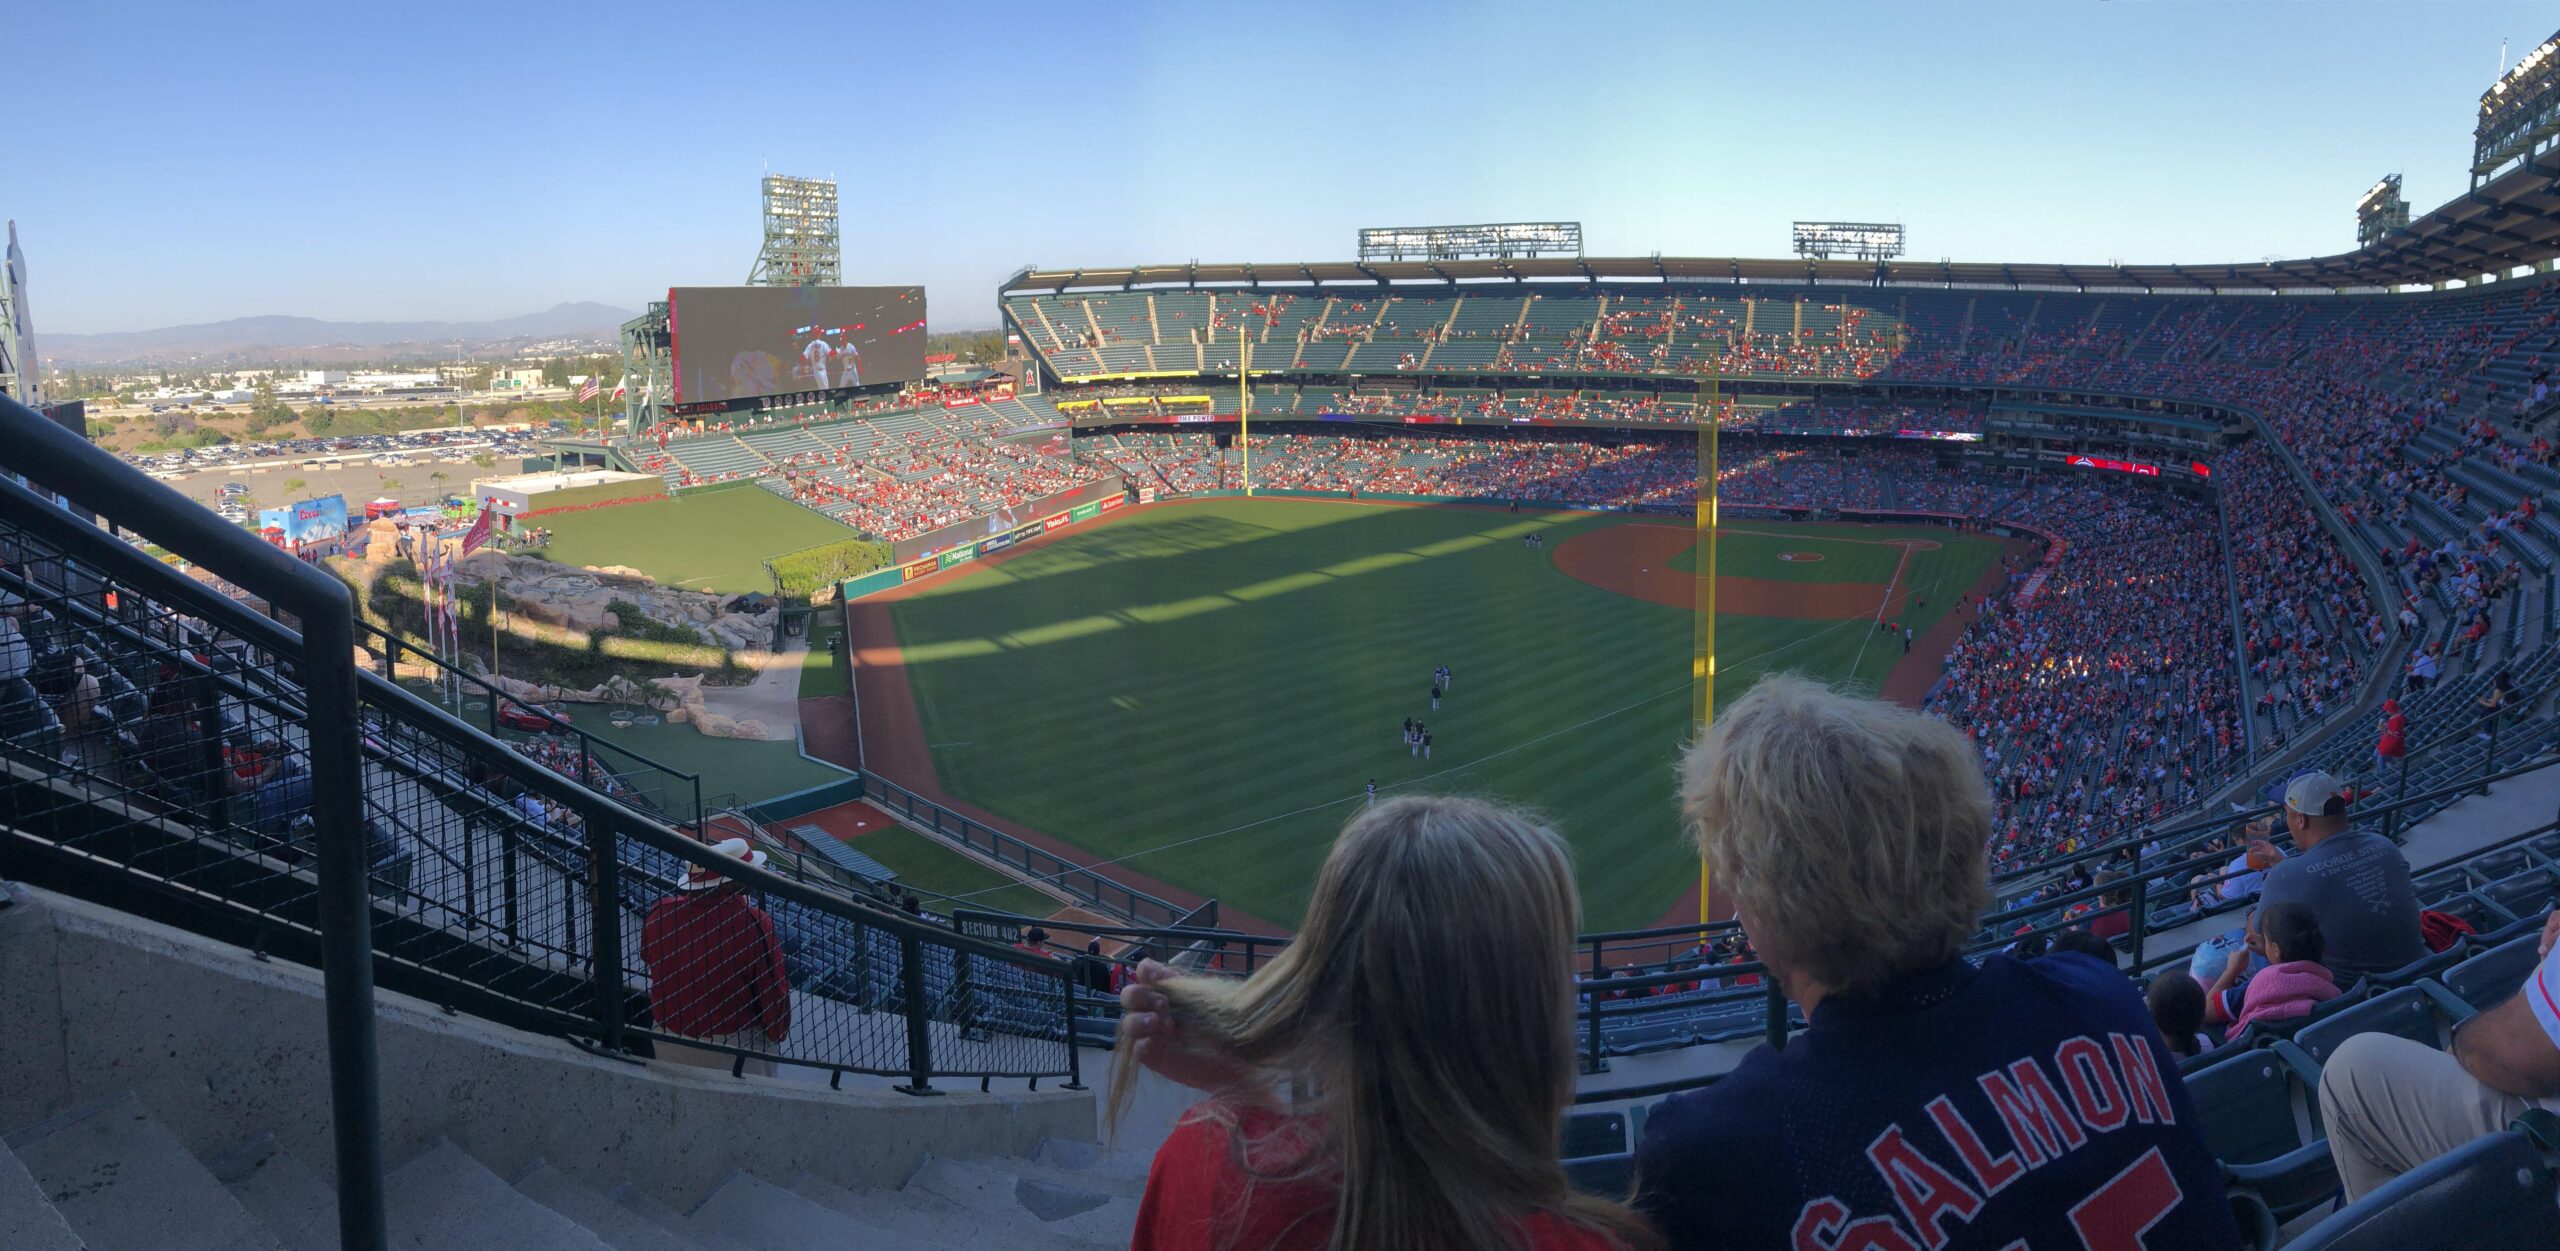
[{"x": 2294, "y": 981}]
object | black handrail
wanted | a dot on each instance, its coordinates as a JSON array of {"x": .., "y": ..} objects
[
  {"x": 346, "y": 720},
  {"x": 53, "y": 459},
  {"x": 589, "y": 745}
]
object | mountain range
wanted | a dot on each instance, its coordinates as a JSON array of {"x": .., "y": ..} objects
[{"x": 278, "y": 339}]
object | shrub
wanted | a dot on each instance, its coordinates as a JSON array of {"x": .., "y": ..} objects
[{"x": 803, "y": 572}]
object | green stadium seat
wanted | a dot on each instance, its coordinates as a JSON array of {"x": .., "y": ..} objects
[
  {"x": 2260, "y": 1113},
  {"x": 2495, "y": 1194},
  {"x": 2490, "y": 975},
  {"x": 2422, "y": 1013}
]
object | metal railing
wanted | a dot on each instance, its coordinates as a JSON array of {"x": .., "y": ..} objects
[
  {"x": 673, "y": 794},
  {"x": 168, "y": 748},
  {"x": 1624, "y": 1002},
  {"x": 1088, "y": 886}
]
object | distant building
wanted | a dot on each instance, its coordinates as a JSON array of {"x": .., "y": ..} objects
[
  {"x": 395, "y": 382},
  {"x": 515, "y": 380}
]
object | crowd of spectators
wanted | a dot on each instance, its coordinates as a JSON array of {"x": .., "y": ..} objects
[{"x": 2104, "y": 697}]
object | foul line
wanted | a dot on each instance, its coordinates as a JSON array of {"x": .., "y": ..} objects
[{"x": 1881, "y": 609}]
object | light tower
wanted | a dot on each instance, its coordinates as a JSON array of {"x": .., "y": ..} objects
[
  {"x": 19, "y": 377},
  {"x": 800, "y": 246}
]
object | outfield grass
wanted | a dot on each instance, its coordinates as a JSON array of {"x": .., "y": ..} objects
[
  {"x": 706, "y": 541},
  {"x": 751, "y": 769},
  {"x": 1206, "y": 689},
  {"x": 928, "y": 867},
  {"x": 819, "y": 676}
]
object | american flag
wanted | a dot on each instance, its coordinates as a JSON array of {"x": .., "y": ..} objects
[{"x": 587, "y": 392}]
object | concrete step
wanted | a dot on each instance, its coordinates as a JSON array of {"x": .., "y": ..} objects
[
  {"x": 123, "y": 1182},
  {"x": 443, "y": 1200},
  {"x": 295, "y": 1204},
  {"x": 937, "y": 1220},
  {"x": 1117, "y": 1184},
  {"x": 619, "y": 1227},
  {"x": 1093, "y": 1157},
  {"x": 27, "y": 1221},
  {"x": 769, "y": 1218},
  {"x": 706, "y": 1236},
  {"x": 1062, "y": 1212}
]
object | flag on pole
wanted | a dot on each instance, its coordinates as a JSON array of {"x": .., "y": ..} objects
[
  {"x": 479, "y": 531},
  {"x": 588, "y": 392}
]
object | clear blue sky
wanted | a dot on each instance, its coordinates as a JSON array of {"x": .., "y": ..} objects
[{"x": 192, "y": 162}]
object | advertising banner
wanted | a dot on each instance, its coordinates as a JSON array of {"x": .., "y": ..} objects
[
  {"x": 307, "y": 521},
  {"x": 1062, "y": 521},
  {"x": 1112, "y": 501},
  {"x": 1084, "y": 512},
  {"x": 2119, "y": 466},
  {"x": 959, "y": 556},
  {"x": 920, "y": 568},
  {"x": 976, "y": 528},
  {"x": 995, "y": 542}
]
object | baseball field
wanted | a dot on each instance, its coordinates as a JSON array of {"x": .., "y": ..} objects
[
  {"x": 715, "y": 540},
  {"x": 1201, "y": 692}
]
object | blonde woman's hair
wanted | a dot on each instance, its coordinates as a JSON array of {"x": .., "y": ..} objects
[
  {"x": 1852, "y": 829},
  {"x": 1427, "y": 1006}
]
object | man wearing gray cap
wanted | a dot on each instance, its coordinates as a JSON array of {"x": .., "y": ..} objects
[{"x": 2356, "y": 882}]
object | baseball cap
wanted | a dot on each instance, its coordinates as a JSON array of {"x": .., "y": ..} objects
[{"x": 2313, "y": 792}]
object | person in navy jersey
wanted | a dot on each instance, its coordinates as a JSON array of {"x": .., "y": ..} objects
[{"x": 1932, "y": 1102}]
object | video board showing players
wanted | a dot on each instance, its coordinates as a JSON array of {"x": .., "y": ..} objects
[{"x": 736, "y": 343}]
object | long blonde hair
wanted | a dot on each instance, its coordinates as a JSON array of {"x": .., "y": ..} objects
[{"x": 1427, "y": 1003}]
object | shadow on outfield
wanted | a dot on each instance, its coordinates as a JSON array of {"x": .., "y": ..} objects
[
  {"x": 1179, "y": 535},
  {"x": 1356, "y": 543}
]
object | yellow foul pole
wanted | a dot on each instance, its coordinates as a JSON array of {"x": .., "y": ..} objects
[
  {"x": 1702, "y": 662},
  {"x": 1244, "y": 404}
]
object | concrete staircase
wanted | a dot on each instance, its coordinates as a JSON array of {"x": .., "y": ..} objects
[
  {"x": 163, "y": 1090},
  {"x": 108, "y": 1176}
]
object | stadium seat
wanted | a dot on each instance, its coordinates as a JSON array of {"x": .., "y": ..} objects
[
  {"x": 2260, "y": 1115},
  {"x": 2482, "y": 940},
  {"x": 2490, "y": 1195},
  {"x": 1610, "y": 1176},
  {"x": 2421, "y": 1013},
  {"x": 2490, "y": 976},
  {"x": 2525, "y": 894},
  {"x": 1594, "y": 1133},
  {"x": 2259, "y": 1230},
  {"x": 2475, "y": 911},
  {"x": 2426, "y": 966}
]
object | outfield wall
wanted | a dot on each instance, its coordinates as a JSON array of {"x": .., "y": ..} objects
[{"x": 976, "y": 531}]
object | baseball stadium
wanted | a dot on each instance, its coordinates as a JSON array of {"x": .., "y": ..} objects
[{"x": 2085, "y": 730}]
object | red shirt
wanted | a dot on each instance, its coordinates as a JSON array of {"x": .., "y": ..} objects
[
  {"x": 715, "y": 966},
  {"x": 2395, "y": 733},
  {"x": 1196, "y": 1193}
]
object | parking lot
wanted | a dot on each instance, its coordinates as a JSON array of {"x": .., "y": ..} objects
[{"x": 413, "y": 483}]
